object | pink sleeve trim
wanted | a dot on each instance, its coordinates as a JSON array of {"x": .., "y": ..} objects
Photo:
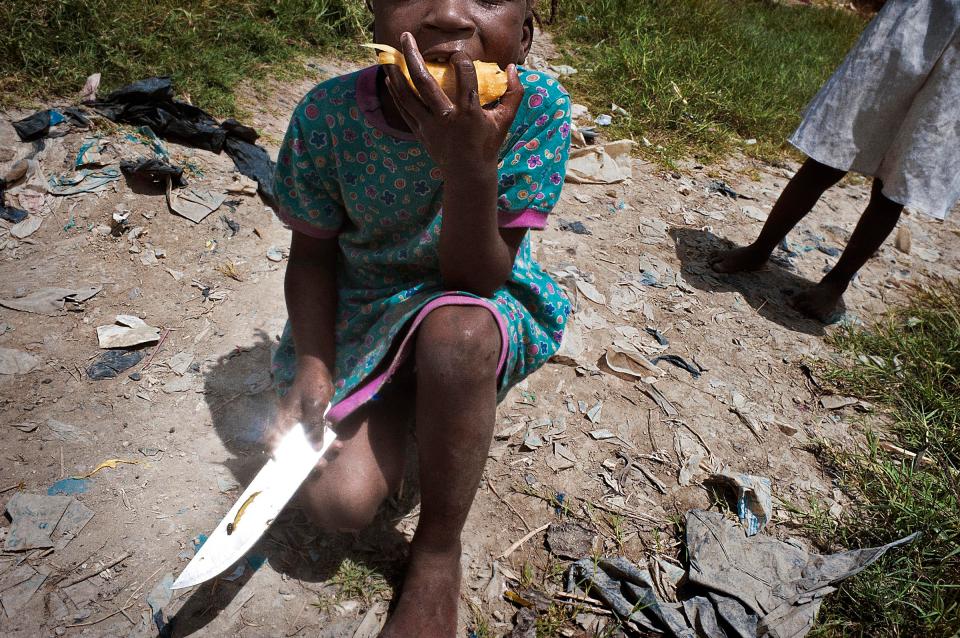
[
  {"x": 306, "y": 228},
  {"x": 528, "y": 218}
]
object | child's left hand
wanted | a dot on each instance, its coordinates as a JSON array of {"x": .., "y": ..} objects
[{"x": 459, "y": 134}]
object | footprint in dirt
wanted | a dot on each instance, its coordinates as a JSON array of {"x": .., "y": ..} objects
[
  {"x": 766, "y": 290},
  {"x": 242, "y": 401}
]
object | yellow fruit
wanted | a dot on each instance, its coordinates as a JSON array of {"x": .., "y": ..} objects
[{"x": 491, "y": 79}]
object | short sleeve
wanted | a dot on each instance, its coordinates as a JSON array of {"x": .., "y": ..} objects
[
  {"x": 308, "y": 195},
  {"x": 532, "y": 169}
]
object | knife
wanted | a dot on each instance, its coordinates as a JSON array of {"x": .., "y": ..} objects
[{"x": 258, "y": 506}]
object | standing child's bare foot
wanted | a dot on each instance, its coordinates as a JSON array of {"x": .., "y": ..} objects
[
  {"x": 820, "y": 302},
  {"x": 430, "y": 596},
  {"x": 739, "y": 259}
]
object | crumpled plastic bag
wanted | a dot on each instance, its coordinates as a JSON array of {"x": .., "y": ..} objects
[{"x": 750, "y": 587}]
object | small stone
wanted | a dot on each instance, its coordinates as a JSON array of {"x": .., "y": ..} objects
[
  {"x": 903, "y": 241},
  {"x": 135, "y": 376},
  {"x": 274, "y": 254}
]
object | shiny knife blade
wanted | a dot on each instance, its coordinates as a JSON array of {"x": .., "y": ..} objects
[{"x": 257, "y": 507}]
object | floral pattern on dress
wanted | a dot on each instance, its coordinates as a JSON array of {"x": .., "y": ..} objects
[{"x": 341, "y": 173}]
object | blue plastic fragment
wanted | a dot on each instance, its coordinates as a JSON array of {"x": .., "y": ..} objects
[
  {"x": 68, "y": 487},
  {"x": 560, "y": 498},
  {"x": 199, "y": 541}
]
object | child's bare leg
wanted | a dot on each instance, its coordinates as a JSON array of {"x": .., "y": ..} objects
[
  {"x": 875, "y": 225},
  {"x": 346, "y": 495},
  {"x": 457, "y": 352},
  {"x": 796, "y": 200}
]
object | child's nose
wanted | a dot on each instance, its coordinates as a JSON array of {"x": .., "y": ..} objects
[{"x": 450, "y": 16}]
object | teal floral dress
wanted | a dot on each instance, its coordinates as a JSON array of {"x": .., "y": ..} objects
[{"x": 343, "y": 172}]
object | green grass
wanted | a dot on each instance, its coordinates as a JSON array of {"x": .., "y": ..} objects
[
  {"x": 697, "y": 76},
  {"x": 908, "y": 365},
  {"x": 208, "y": 46},
  {"x": 700, "y": 76},
  {"x": 354, "y": 580}
]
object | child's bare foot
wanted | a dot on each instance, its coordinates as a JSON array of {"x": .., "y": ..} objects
[
  {"x": 739, "y": 259},
  {"x": 430, "y": 596},
  {"x": 820, "y": 302}
]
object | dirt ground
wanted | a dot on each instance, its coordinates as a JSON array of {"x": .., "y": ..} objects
[{"x": 192, "y": 421}]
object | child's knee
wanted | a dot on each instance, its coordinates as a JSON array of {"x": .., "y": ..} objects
[
  {"x": 459, "y": 344},
  {"x": 341, "y": 506}
]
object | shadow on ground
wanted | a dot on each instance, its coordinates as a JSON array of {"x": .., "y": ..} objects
[
  {"x": 767, "y": 290},
  {"x": 242, "y": 402}
]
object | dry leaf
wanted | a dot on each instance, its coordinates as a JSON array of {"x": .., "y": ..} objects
[{"x": 228, "y": 269}]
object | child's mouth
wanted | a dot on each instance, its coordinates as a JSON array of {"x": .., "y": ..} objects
[{"x": 440, "y": 54}]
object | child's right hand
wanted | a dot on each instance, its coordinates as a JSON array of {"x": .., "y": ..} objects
[{"x": 305, "y": 402}]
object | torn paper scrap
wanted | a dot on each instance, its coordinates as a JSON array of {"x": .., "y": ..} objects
[
  {"x": 17, "y": 361},
  {"x": 33, "y": 518},
  {"x": 14, "y": 598},
  {"x": 50, "y": 301},
  {"x": 27, "y": 227},
  {"x": 606, "y": 164},
  {"x": 192, "y": 203},
  {"x": 128, "y": 331},
  {"x": 628, "y": 361}
]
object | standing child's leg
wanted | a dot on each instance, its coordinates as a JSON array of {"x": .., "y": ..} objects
[
  {"x": 458, "y": 348},
  {"x": 875, "y": 225},
  {"x": 796, "y": 200}
]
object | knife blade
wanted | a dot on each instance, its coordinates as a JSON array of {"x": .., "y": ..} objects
[{"x": 257, "y": 507}]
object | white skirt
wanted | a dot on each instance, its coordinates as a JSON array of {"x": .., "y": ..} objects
[{"x": 892, "y": 108}]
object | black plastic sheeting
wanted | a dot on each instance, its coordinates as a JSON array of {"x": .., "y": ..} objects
[
  {"x": 151, "y": 102},
  {"x": 154, "y": 170},
  {"x": 37, "y": 126},
  {"x": 680, "y": 362},
  {"x": 10, "y": 213},
  {"x": 112, "y": 362}
]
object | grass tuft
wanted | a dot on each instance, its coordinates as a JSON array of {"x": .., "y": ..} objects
[
  {"x": 699, "y": 77},
  {"x": 354, "y": 580},
  {"x": 908, "y": 364}
]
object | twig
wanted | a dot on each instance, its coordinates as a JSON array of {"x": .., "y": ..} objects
[
  {"x": 619, "y": 512},
  {"x": 585, "y": 602},
  {"x": 657, "y": 483},
  {"x": 294, "y": 623},
  {"x": 507, "y": 503},
  {"x": 697, "y": 434},
  {"x": 17, "y": 486},
  {"x": 886, "y": 446},
  {"x": 83, "y": 577},
  {"x": 748, "y": 421},
  {"x": 523, "y": 540},
  {"x": 101, "y": 619},
  {"x": 163, "y": 338},
  {"x": 227, "y": 401},
  {"x": 125, "y": 615}
]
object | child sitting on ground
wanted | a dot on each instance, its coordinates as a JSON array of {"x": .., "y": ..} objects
[
  {"x": 891, "y": 111},
  {"x": 410, "y": 213}
]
